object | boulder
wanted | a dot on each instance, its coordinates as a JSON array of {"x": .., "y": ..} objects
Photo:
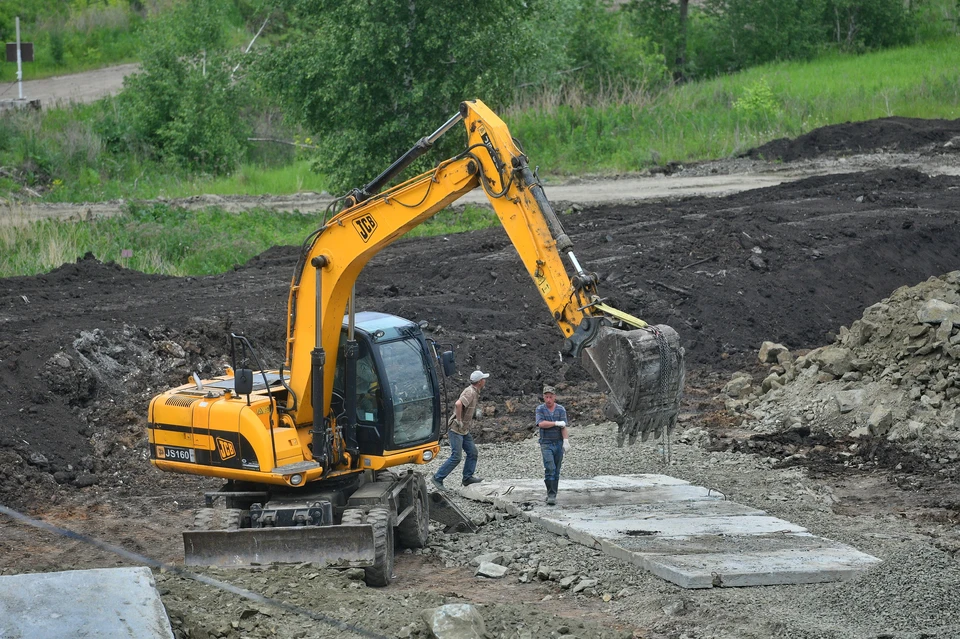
[
  {"x": 834, "y": 360},
  {"x": 881, "y": 419},
  {"x": 935, "y": 311},
  {"x": 769, "y": 352},
  {"x": 455, "y": 621}
]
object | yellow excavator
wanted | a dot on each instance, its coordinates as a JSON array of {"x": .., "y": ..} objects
[{"x": 306, "y": 449}]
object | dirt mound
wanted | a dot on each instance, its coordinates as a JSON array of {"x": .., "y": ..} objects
[
  {"x": 891, "y": 380},
  {"x": 886, "y": 134}
]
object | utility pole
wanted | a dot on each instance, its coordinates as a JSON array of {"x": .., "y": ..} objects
[{"x": 19, "y": 63}]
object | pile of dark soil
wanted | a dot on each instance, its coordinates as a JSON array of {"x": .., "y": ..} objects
[{"x": 886, "y": 134}]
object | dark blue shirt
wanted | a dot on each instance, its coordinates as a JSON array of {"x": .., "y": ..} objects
[{"x": 558, "y": 414}]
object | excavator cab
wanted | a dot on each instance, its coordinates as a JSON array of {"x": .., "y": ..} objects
[{"x": 397, "y": 389}]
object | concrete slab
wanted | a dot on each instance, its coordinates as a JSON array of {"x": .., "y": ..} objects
[
  {"x": 109, "y": 602},
  {"x": 686, "y": 534}
]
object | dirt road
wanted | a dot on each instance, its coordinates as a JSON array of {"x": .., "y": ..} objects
[
  {"x": 78, "y": 87},
  {"x": 84, "y": 348}
]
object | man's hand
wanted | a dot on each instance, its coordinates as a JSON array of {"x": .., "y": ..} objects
[
  {"x": 566, "y": 445},
  {"x": 560, "y": 424}
]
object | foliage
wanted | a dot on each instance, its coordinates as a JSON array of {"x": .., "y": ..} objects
[
  {"x": 658, "y": 20},
  {"x": 752, "y": 32},
  {"x": 698, "y": 121},
  {"x": 369, "y": 80},
  {"x": 184, "y": 105},
  {"x": 757, "y": 102},
  {"x": 605, "y": 48},
  {"x": 856, "y": 25}
]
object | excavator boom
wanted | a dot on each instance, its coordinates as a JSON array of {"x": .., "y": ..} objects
[{"x": 640, "y": 366}]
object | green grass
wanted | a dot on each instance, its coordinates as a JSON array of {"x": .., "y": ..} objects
[
  {"x": 161, "y": 239},
  {"x": 699, "y": 122},
  {"x": 253, "y": 180},
  {"x": 173, "y": 241}
]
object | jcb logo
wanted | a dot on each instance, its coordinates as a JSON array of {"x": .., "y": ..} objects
[
  {"x": 225, "y": 448},
  {"x": 542, "y": 284},
  {"x": 366, "y": 225}
]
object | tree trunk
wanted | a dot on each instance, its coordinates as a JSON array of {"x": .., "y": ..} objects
[{"x": 679, "y": 73}]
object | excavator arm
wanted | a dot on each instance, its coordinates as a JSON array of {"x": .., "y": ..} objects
[{"x": 640, "y": 366}]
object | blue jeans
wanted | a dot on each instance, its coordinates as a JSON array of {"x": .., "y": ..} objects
[
  {"x": 458, "y": 444},
  {"x": 552, "y": 452}
]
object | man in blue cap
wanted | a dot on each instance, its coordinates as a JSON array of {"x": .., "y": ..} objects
[{"x": 552, "y": 422}]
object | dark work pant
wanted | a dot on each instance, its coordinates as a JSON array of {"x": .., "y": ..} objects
[{"x": 552, "y": 452}]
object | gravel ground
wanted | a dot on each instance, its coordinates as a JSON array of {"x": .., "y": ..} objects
[{"x": 912, "y": 593}]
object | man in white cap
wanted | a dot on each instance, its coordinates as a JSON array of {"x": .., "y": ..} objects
[
  {"x": 552, "y": 422},
  {"x": 458, "y": 432}
]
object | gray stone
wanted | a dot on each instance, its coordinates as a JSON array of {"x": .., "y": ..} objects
[
  {"x": 769, "y": 352},
  {"x": 739, "y": 386},
  {"x": 584, "y": 584},
  {"x": 860, "y": 333},
  {"x": 489, "y": 557},
  {"x": 936, "y": 311},
  {"x": 944, "y": 331},
  {"x": 770, "y": 382},
  {"x": 491, "y": 570},
  {"x": 881, "y": 419},
  {"x": 834, "y": 360},
  {"x": 566, "y": 582},
  {"x": 849, "y": 400},
  {"x": 454, "y": 621}
]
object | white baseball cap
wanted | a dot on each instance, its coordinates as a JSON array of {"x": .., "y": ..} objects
[{"x": 477, "y": 375}]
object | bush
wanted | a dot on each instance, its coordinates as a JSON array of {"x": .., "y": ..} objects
[
  {"x": 370, "y": 83},
  {"x": 184, "y": 106}
]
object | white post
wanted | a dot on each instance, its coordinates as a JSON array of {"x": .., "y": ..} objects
[{"x": 19, "y": 65}]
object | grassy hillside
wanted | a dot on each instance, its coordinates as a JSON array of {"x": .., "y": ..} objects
[
  {"x": 726, "y": 116},
  {"x": 63, "y": 153}
]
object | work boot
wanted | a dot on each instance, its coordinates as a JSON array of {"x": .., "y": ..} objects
[
  {"x": 551, "y": 492},
  {"x": 437, "y": 483},
  {"x": 471, "y": 480}
]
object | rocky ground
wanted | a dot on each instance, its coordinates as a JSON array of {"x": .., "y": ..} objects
[{"x": 844, "y": 423}]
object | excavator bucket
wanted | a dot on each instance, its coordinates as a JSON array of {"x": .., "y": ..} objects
[
  {"x": 643, "y": 372},
  {"x": 345, "y": 545}
]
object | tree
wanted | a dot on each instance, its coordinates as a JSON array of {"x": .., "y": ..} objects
[
  {"x": 869, "y": 24},
  {"x": 184, "y": 104},
  {"x": 372, "y": 77},
  {"x": 665, "y": 22}
]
